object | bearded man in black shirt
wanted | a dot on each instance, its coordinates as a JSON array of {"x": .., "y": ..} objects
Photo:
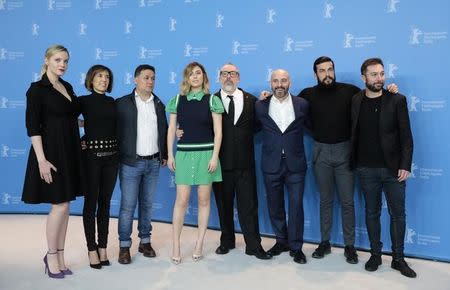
[
  {"x": 382, "y": 149},
  {"x": 330, "y": 105}
]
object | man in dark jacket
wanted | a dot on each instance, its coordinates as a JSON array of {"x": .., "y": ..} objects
[
  {"x": 142, "y": 136},
  {"x": 382, "y": 148},
  {"x": 237, "y": 160},
  {"x": 283, "y": 163}
]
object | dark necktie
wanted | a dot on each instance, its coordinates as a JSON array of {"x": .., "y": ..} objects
[{"x": 231, "y": 109}]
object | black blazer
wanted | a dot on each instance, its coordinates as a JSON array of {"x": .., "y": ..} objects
[
  {"x": 291, "y": 140},
  {"x": 127, "y": 128},
  {"x": 395, "y": 131},
  {"x": 237, "y": 149}
]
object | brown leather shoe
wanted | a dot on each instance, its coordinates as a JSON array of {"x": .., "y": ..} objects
[
  {"x": 147, "y": 250},
  {"x": 124, "y": 255}
]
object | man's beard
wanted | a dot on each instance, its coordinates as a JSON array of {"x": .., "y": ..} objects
[
  {"x": 280, "y": 94},
  {"x": 229, "y": 87},
  {"x": 324, "y": 85},
  {"x": 376, "y": 87}
]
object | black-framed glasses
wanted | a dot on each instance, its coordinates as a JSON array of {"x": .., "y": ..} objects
[{"x": 232, "y": 74}]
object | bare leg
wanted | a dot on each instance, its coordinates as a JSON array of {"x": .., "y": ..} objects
[
  {"x": 204, "y": 197},
  {"x": 55, "y": 219},
  {"x": 62, "y": 236},
  {"x": 103, "y": 254},
  {"x": 179, "y": 211},
  {"x": 93, "y": 258}
]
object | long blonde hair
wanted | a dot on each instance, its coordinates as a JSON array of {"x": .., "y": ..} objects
[
  {"x": 185, "y": 87},
  {"x": 51, "y": 51}
]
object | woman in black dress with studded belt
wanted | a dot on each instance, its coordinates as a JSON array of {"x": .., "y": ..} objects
[
  {"x": 53, "y": 173},
  {"x": 101, "y": 161}
]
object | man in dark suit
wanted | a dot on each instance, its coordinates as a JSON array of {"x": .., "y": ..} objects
[
  {"x": 238, "y": 166},
  {"x": 382, "y": 148},
  {"x": 142, "y": 136},
  {"x": 283, "y": 163}
]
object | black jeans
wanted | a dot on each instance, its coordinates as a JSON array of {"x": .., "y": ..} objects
[
  {"x": 373, "y": 182},
  {"x": 101, "y": 180}
]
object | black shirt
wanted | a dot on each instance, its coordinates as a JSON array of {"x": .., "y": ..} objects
[
  {"x": 99, "y": 115},
  {"x": 330, "y": 111},
  {"x": 369, "y": 152}
]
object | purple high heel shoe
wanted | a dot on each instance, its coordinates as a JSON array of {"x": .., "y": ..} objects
[
  {"x": 59, "y": 275},
  {"x": 66, "y": 271}
]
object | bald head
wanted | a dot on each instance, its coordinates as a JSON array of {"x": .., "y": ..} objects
[{"x": 280, "y": 83}]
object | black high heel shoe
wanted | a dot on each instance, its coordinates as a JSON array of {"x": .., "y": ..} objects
[
  {"x": 105, "y": 262},
  {"x": 94, "y": 266}
]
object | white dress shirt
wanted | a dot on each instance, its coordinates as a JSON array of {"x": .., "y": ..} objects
[
  {"x": 147, "y": 127},
  {"x": 282, "y": 112},
  {"x": 238, "y": 97}
]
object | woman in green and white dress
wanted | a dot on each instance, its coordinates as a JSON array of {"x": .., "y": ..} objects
[{"x": 198, "y": 114}]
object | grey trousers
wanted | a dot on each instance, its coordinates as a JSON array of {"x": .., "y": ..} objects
[{"x": 332, "y": 170}]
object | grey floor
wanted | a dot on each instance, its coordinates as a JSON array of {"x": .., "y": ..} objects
[{"x": 23, "y": 246}]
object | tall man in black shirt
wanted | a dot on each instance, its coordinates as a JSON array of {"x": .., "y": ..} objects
[
  {"x": 330, "y": 104},
  {"x": 382, "y": 153}
]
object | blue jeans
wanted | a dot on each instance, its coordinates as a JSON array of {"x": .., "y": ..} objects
[
  {"x": 137, "y": 183},
  {"x": 373, "y": 182}
]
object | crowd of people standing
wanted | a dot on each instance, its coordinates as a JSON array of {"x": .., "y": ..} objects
[{"x": 357, "y": 133}]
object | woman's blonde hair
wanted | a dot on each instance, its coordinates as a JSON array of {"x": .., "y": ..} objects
[
  {"x": 185, "y": 86},
  {"x": 51, "y": 51}
]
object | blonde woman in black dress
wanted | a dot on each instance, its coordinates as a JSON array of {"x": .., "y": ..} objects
[{"x": 53, "y": 171}]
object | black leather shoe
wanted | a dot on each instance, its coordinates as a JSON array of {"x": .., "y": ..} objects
[
  {"x": 299, "y": 257},
  {"x": 259, "y": 253},
  {"x": 323, "y": 249},
  {"x": 222, "y": 250},
  {"x": 350, "y": 255},
  {"x": 147, "y": 250},
  {"x": 373, "y": 263},
  {"x": 402, "y": 266},
  {"x": 277, "y": 249},
  {"x": 124, "y": 255}
]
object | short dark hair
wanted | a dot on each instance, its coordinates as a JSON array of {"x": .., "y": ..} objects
[
  {"x": 93, "y": 70},
  {"x": 320, "y": 60},
  {"x": 369, "y": 62},
  {"x": 142, "y": 67}
]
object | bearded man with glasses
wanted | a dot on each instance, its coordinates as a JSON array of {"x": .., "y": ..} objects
[{"x": 238, "y": 166}]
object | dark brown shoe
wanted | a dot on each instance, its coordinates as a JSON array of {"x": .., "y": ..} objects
[
  {"x": 147, "y": 250},
  {"x": 124, "y": 255}
]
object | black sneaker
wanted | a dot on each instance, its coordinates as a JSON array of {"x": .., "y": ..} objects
[
  {"x": 373, "y": 263},
  {"x": 351, "y": 255},
  {"x": 402, "y": 266},
  {"x": 323, "y": 249}
]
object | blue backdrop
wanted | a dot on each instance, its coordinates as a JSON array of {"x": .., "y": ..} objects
[{"x": 258, "y": 36}]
